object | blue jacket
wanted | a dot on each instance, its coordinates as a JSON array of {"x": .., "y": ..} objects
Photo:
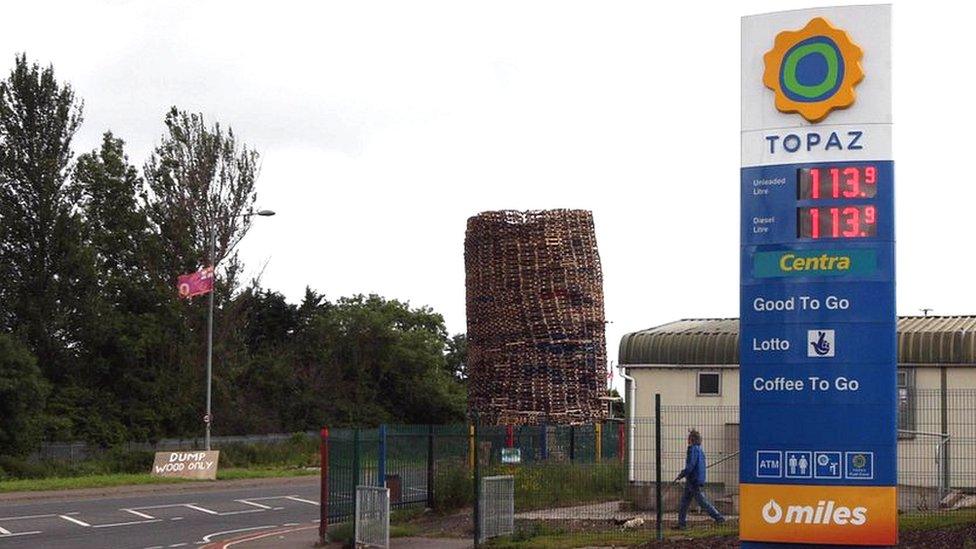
[{"x": 694, "y": 469}]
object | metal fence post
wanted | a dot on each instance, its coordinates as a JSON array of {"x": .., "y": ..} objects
[
  {"x": 477, "y": 481},
  {"x": 598, "y": 452},
  {"x": 544, "y": 442},
  {"x": 621, "y": 442},
  {"x": 324, "y": 486},
  {"x": 572, "y": 442},
  {"x": 355, "y": 459},
  {"x": 659, "y": 500},
  {"x": 381, "y": 458},
  {"x": 471, "y": 447},
  {"x": 430, "y": 466}
]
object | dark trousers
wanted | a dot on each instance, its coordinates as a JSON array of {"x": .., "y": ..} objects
[{"x": 693, "y": 491}]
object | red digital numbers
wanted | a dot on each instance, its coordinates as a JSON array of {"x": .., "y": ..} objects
[
  {"x": 836, "y": 222},
  {"x": 830, "y": 183}
]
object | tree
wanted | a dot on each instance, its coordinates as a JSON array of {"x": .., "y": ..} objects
[
  {"x": 131, "y": 324},
  {"x": 39, "y": 235},
  {"x": 200, "y": 181},
  {"x": 456, "y": 358},
  {"x": 22, "y": 394}
]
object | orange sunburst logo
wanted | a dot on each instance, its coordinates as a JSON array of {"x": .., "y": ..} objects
[{"x": 813, "y": 70}]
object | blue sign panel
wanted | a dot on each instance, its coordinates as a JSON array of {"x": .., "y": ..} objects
[{"x": 817, "y": 316}]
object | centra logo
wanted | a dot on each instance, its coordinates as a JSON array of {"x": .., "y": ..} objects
[
  {"x": 822, "y": 262},
  {"x": 826, "y": 512},
  {"x": 813, "y": 70}
]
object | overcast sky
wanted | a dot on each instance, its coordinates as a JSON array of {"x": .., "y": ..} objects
[{"x": 384, "y": 125}]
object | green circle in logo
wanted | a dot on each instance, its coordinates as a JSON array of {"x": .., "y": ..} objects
[{"x": 812, "y": 70}]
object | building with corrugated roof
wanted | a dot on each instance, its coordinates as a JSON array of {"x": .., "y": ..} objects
[{"x": 696, "y": 362}]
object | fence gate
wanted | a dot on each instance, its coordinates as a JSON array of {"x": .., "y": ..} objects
[
  {"x": 372, "y": 516},
  {"x": 497, "y": 507}
]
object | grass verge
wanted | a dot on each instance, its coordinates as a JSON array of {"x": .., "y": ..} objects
[
  {"x": 399, "y": 527},
  {"x": 948, "y": 520},
  {"x": 553, "y": 537},
  {"x": 135, "y": 479}
]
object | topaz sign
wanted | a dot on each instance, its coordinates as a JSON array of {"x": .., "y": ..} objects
[{"x": 817, "y": 304}]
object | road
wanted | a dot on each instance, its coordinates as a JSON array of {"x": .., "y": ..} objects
[{"x": 159, "y": 517}]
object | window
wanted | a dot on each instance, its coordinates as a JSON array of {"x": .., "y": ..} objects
[
  {"x": 906, "y": 402},
  {"x": 709, "y": 383}
]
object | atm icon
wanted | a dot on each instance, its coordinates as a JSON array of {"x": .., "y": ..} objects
[{"x": 769, "y": 464}]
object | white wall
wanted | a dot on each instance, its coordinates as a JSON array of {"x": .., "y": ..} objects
[{"x": 917, "y": 461}]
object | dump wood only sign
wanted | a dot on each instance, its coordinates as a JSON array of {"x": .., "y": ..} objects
[{"x": 195, "y": 465}]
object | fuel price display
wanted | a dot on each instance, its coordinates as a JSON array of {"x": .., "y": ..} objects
[
  {"x": 837, "y": 182},
  {"x": 836, "y": 222}
]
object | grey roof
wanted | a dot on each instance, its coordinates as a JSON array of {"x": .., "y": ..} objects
[{"x": 922, "y": 340}]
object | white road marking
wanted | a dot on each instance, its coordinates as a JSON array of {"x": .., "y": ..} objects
[
  {"x": 138, "y": 513},
  {"x": 296, "y": 498},
  {"x": 258, "y": 536},
  {"x": 31, "y": 517},
  {"x": 114, "y": 524},
  {"x": 201, "y": 509},
  {"x": 245, "y": 511},
  {"x": 74, "y": 520},
  {"x": 4, "y": 531},
  {"x": 154, "y": 547},
  {"x": 209, "y": 537},
  {"x": 179, "y": 544},
  {"x": 176, "y": 518},
  {"x": 290, "y": 524},
  {"x": 20, "y": 534},
  {"x": 247, "y": 502}
]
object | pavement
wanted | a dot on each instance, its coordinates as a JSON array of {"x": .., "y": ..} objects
[
  {"x": 161, "y": 516},
  {"x": 305, "y": 536}
]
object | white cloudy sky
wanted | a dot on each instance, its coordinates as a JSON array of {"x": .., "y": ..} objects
[{"x": 384, "y": 125}]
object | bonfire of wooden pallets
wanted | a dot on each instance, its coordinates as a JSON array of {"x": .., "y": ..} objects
[{"x": 536, "y": 334}]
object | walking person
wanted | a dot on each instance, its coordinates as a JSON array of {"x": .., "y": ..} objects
[{"x": 694, "y": 475}]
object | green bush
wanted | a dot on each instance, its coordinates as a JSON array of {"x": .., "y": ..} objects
[
  {"x": 560, "y": 484},
  {"x": 121, "y": 460},
  {"x": 298, "y": 451},
  {"x": 452, "y": 487},
  {"x": 15, "y": 467}
]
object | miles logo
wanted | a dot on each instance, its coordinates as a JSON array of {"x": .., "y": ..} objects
[{"x": 826, "y": 512}]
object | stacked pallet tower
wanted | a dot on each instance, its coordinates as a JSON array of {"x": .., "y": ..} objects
[{"x": 536, "y": 333}]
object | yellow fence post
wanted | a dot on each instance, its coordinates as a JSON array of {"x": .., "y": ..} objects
[
  {"x": 471, "y": 447},
  {"x": 599, "y": 442}
]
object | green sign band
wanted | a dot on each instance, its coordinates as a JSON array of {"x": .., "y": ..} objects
[{"x": 814, "y": 263}]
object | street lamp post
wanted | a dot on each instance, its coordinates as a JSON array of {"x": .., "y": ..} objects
[{"x": 208, "y": 419}]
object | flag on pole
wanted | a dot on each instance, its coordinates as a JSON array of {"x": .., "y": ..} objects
[{"x": 198, "y": 283}]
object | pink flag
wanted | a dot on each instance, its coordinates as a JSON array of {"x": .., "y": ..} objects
[{"x": 198, "y": 283}]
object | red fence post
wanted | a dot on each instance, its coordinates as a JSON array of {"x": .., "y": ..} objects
[
  {"x": 509, "y": 436},
  {"x": 621, "y": 442},
  {"x": 324, "y": 495}
]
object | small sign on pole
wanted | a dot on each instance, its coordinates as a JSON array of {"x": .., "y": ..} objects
[{"x": 511, "y": 455}]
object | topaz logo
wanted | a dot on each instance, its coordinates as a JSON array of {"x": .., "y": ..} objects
[
  {"x": 820, "y": 343},
  {"x": 825, "y": 512},
  {"x": 814, "y": 70}
]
